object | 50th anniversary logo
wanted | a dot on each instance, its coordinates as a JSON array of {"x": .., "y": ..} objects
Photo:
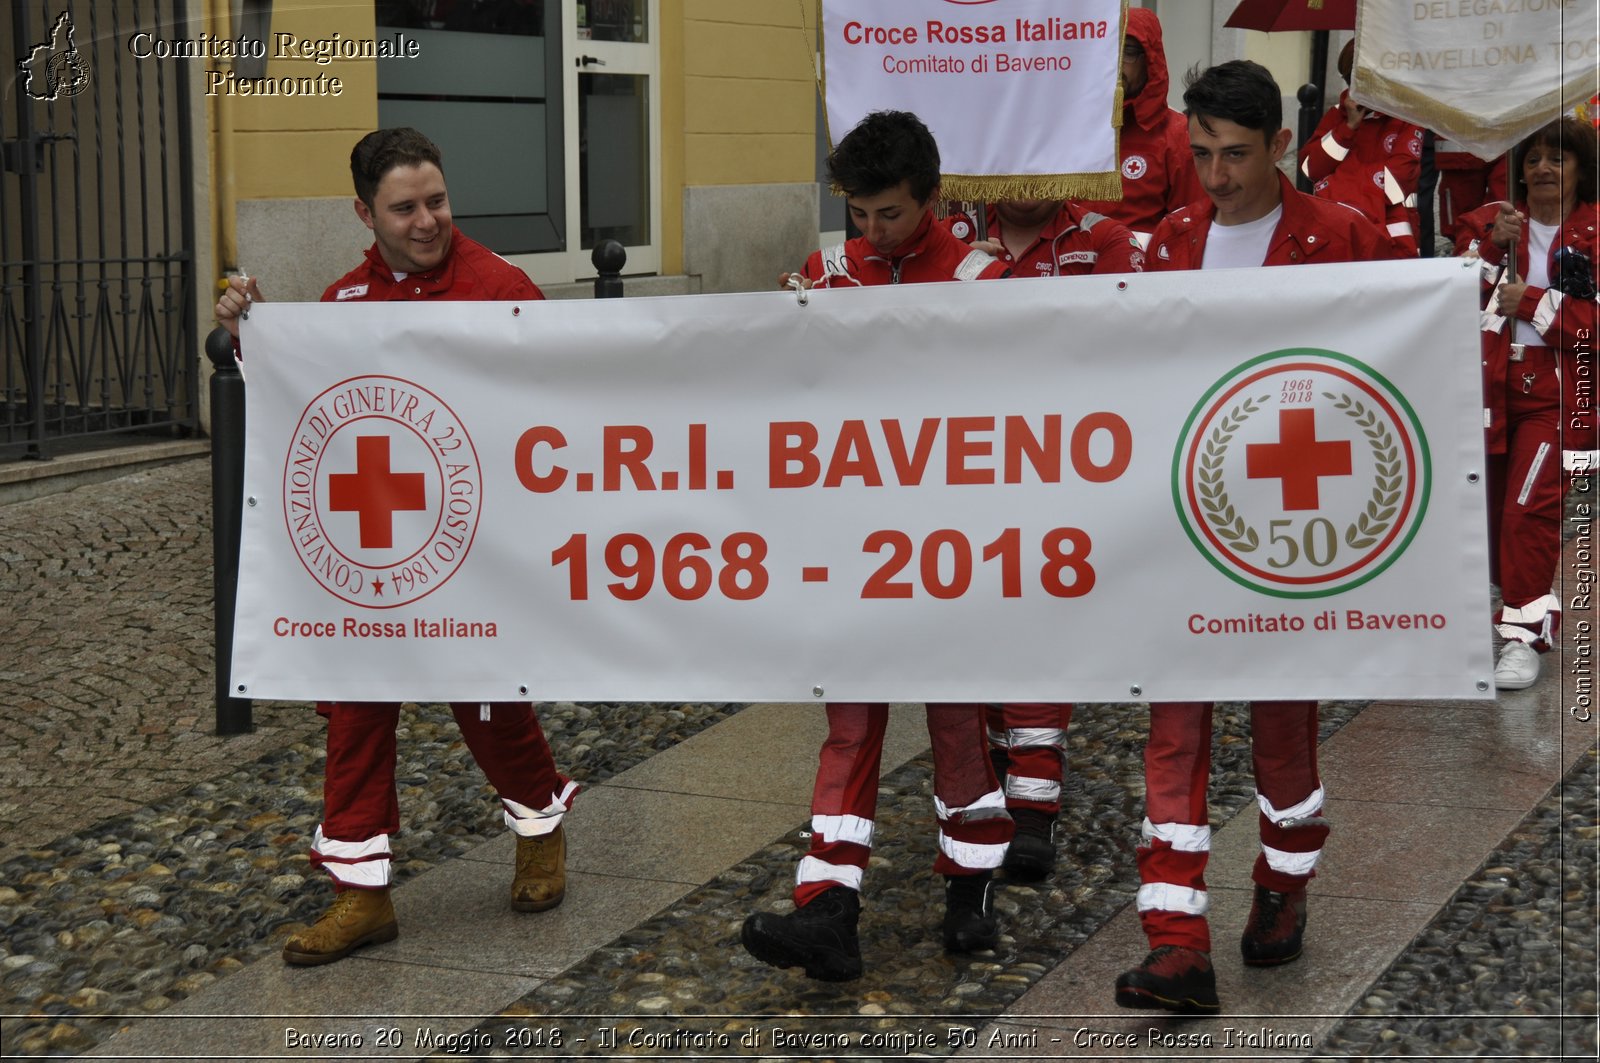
[{"x": 1302, "y": 473}]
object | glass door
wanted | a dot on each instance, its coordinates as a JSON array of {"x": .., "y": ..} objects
[
  {"x": 614, "y": 114},
  {"x": 486, "y": 86},
  {"x": 548, "y": 113}
]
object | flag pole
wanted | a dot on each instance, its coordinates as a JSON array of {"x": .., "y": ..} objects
[{"x": 1511, "y": 196}]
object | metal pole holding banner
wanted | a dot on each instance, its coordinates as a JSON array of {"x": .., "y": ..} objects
[
  {"x": 1313, "y": 99},
  {"x": 1310, "y": 97},
  {"x": 608, "y": 257},
  {"x": 1511, "y": 197},
  {"x": 227, "y": 496}
]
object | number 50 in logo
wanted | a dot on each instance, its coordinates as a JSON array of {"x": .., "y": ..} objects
[{"x": 1301, "y": 474}]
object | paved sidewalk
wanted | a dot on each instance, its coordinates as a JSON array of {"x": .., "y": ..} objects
[
  {"x": 1455, "y": 914},
  {"x": 106, "y": 660}
]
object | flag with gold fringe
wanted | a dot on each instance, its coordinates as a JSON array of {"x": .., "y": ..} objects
[
  {"x": 1023, "y": 96},
  {"x": 1484, "y": 74}
]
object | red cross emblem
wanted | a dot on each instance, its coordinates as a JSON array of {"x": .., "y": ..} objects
[
  {"x": 376, "y": 493},
  {"x": 1299, "y": 459}
]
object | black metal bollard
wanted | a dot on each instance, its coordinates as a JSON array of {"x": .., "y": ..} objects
[
  {"x": 227, "y": 496},
  {"x": 1310, "y": 97},
  {"x": 608, "y": 257}
]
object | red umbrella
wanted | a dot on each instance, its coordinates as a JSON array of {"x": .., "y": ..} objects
[{"x": 1276, "y": 15}]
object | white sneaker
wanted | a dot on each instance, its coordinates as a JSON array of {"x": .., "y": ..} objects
[{"x": 1518, "y": 666}]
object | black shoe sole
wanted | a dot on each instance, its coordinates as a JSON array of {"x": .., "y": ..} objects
[
  {"x": 970, "y": 943},
  {"x": 1271, "y": 961},
  {"x": 971, "y": 940},
  {"x": 1145, "y": 1000},
  {"x": 387, "y": 932},
  {"x": 774, "y": 952},
  {"x": 539, "y": 906}
]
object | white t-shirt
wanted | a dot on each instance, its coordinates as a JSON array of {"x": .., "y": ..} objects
[
  {"x": 1540, "y": 237},
  {"x": 1241, "y": 246}
]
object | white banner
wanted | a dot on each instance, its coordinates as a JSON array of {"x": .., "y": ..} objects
[
  {"x": 1160, "y": 486},
  {"x": 1484, "y": 73},
  {"x": 1021, "y": 95}
]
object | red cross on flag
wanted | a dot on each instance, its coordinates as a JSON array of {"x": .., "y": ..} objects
[{"x": 1483, "y": 74}]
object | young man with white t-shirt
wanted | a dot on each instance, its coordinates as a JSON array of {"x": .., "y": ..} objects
[{"x": 1252, "y": 217}]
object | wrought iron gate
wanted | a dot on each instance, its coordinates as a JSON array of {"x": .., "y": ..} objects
[{"x": 97, "y": 264}]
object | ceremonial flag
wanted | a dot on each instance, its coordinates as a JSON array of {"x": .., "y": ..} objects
[
  {"x": 1483, "y": 73},
  {"x": 1023, "y": 96}
]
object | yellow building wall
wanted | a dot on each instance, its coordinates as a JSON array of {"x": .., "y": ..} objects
[
  {"x": 737, "y": 84},
  {"x": 749, "y": 88},
  {"x": 287, "y": 147},
  {"x": 1286, "y": 55}
]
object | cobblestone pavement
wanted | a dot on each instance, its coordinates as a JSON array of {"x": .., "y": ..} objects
[
  {"x": 106, "y": 661},
  {"x": 123, "y": 820}
]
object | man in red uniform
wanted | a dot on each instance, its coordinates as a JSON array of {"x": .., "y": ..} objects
[
  {"x": 1368, "y": 161},
  {"x": 1027, "y": 740},
  {"x": 888, "y": 168},
  {"x": 417, "y": 253},
  {"x": 1055, "y": 238},
  {"x": 1252, "y": 216},
  {"x": 1157, "y": 171}
]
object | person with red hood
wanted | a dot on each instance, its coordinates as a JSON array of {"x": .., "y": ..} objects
[
  {"x": 1369, "y": 161},
  {"x": 1158, "y": 175}
]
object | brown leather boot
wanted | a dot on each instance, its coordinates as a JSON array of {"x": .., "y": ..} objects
[
  {"x": 355, "y": 918},
  {"x": 541, "y": 880}
]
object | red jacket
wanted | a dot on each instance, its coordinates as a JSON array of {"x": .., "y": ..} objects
[
  {"x": 1373, "y": 168},
  {"x": 1311, "y": 231},
  {"x": 931, "y": 254},
  {"x": 1158, "y": 174},
  {"x": 1074, "y": 242},
  {"x": 1566, "y": 321},
  {"x": 469, "y": 272}
]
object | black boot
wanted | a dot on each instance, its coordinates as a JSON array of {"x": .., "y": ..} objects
[
  {"x": 1276, "y": 928},
  {"x": 1032, "y": 852},
  {"x": 1171, "y": 978},
  {"x": 820, "y": 936},
  {"x": 969, "y": 924}
]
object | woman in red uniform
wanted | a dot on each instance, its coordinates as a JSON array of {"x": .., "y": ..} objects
[{"x": 1538, "y": 375}]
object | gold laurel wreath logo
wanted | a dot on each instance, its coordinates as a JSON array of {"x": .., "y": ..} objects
[
  {"x": 1380, "y": 510},
  {"x": 1213, "y": 492}
]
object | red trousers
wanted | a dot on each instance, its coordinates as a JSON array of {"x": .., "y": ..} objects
[
  {"x": 1176, "y": 836},
  {"x": 1033, "y": 735},
  {"x": 1525, "y": 487},
  {"x": 974, "y": 828},
  {"x": 361, "y": 808}
]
